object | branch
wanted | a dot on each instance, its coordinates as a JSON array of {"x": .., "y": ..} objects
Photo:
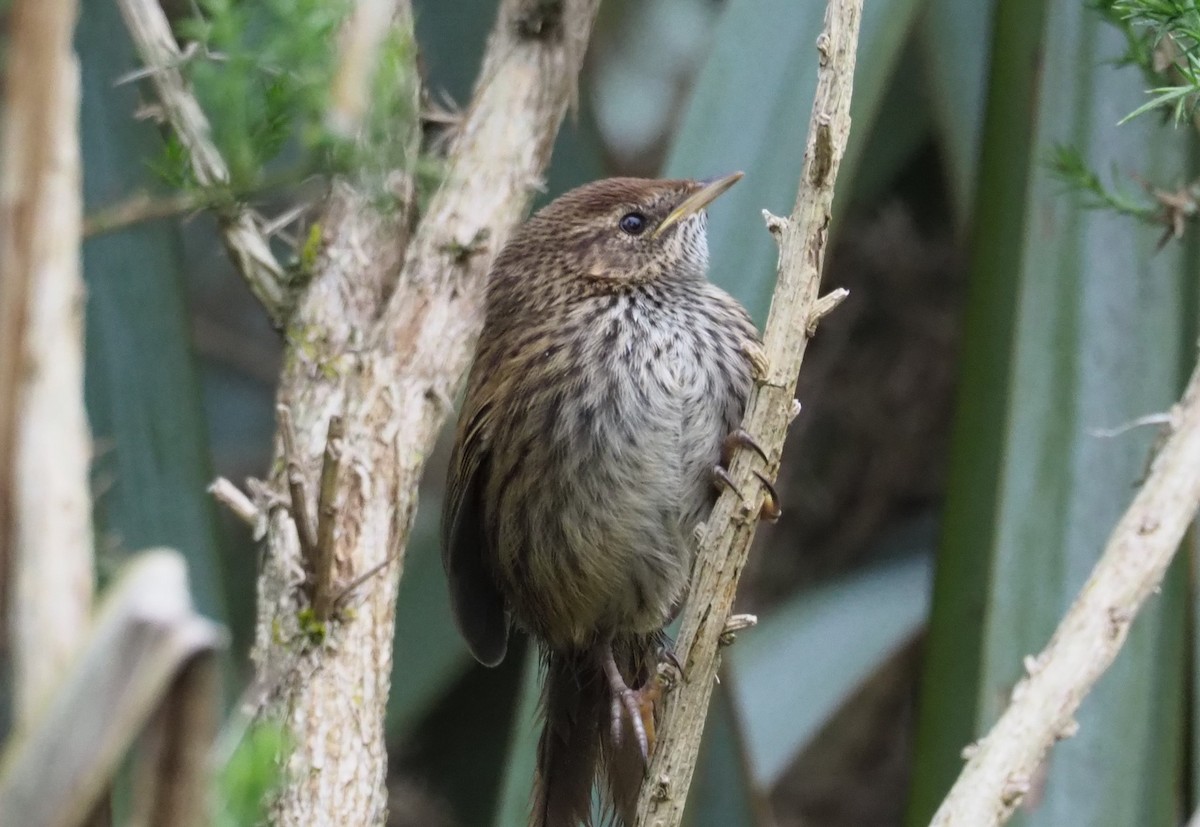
[
  {"x": 233, "y": 498},
  {"x": 1003, "y": 763},
  {"x": 350, "y": 95},
  {"x": 140, "y": 208},
  {"x": 45, "y": 449},
  {"x": 381, "y": 337},
  {"x": 245, "y": 241},
  {"x": 795, "y": 311}
]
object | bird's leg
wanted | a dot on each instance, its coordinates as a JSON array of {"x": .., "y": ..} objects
[
  {"x": 770, "y": 509},
  {"x": 638, "y": 705}
]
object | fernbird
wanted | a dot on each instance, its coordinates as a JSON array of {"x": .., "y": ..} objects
[{"x": 605, "y": 396}]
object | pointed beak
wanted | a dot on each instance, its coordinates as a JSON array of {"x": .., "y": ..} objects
[{"x": 698, "y": 200}]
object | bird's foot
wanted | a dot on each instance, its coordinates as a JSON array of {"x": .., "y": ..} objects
[
  {"x": 634, "y": 705},
  {"x": 770, "y": 509}
]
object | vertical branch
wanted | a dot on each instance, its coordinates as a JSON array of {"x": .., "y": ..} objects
[
  {"x": 381, "y": 339},
  {"x": 45, "y": 507},
  {"x": 796, "y": 310}
]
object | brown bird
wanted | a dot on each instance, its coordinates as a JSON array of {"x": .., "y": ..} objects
[{"x": 607, "y": 381}]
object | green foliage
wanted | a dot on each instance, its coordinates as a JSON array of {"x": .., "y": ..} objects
[
  {"x": 1163, "y": 38},
  {"x": 263, "y": 72},
  {"x": 1068, "y": 166},
  {"x": 248, "y": 778}
]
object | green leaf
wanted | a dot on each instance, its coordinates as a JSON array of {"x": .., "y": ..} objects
[
  {"x": 1163, "y": 96},
  {"x": 750, "y": 111},
  {"x": 512, "y": 809},
  {"x": 429, "y": 653},
  {"x": 245, "y": 783},
  {"x": 806, "y": 659},
  {"x": 955, "y": 39},
  {"x": 152, "y": 464},
  {"x": 1074, "y": 324},
  {"x": 723, "y": 792},
  {"x": 952, "y": 663}
]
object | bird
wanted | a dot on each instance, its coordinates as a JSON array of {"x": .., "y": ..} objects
[{"x": 600, "y": 412}]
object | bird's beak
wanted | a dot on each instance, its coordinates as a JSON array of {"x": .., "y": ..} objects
[{"x": 698, "y": 200}]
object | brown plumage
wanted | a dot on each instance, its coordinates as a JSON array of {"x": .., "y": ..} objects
[{"x": 608, "y": 373}]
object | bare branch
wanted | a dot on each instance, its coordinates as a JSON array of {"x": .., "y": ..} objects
[
  {"x": 824, "y": 306},
  {"x": 1041, "y": 712},
  {"x": 233, "y": 498},
  {"x": 247, "y": 245},
  {"x": 730, "y": 529},
  {"x": 362, "y": 36},
  {"x": 45, "y": 448},
  {"x": 140, "y": 208}
]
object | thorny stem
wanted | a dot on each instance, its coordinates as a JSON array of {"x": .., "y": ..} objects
[{"x": 796, "y": 308}]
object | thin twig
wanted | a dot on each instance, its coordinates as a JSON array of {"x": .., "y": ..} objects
[
  {"x": 140, "y": 208},
  {"x": 331, "y": 468},
  {"x": 249, "y": 248},
  {"x": 824, "y": 306},
  {"x": 1140, "y": 422},
  {"x": 361, "y": 37},
  {"x": 727, "y": 535},
  {"x": 1003, "y": 763},
  {"x": 233, "y": 498},
  {"x": 305, "y": 527},
  {"x": 347, "y": 589}
]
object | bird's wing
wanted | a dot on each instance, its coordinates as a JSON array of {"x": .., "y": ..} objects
[{"x": 474, "y": 596}]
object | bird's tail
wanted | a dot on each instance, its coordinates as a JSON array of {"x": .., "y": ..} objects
[{"x": 578, "y": 744}]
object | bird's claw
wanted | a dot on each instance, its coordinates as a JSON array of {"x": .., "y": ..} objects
[
  {"x": 740, "y": 438},
  {"x": 722, "y": 479},
  {"x": 770, "y": 509}
]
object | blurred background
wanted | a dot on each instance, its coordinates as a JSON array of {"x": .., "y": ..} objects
[{"x": 956, "y": 469}]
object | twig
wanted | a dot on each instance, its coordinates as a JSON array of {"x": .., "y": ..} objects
[
  {"x": 824, "y": 306},
  {"x": 1089, "y": 637},
  {"x": 350, "y": 96},
  {"x": 331, "y": 468},
  {"x": 735, "y": 624},
  {"x": 249, "y": 248},
  {"x": 347, "y": 589},
  {"x": 728, "y": 532},
  {"x": 305, "y": 527},
  {"x": 233, "y": 498},
  {"x": 1125, "y": 427},
  {"x": 140, "y": 208}
]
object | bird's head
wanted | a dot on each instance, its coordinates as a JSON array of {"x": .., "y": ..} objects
[{"x": 619, "y": 231}]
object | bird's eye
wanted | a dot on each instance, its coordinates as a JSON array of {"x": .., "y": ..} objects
[{"x": 632, "y": 223}]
